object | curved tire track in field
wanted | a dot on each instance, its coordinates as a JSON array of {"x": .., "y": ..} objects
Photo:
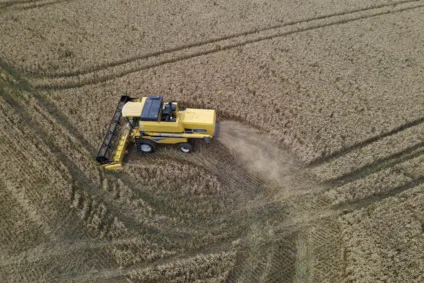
[
  {"x": 269, "y": 251},
  {"x": 346, "y": 150},
  {"x": 378, "y": 165},
  {"x": 361, "y": 203},
  {"x": 61, "y": 249},
  {"x": 27, "y": 5},
  {"x": 85, "y": 71},
  {"x": 103, "y": 74},
  {"x": 413, "y": 151},
  {"x": 84, "y": 184},
  {"x": 4, "y": 4},
  {"x": 264, "y": 246},
  {"x": 95, "y": 196},
  {"x": 129, "y": 272}
]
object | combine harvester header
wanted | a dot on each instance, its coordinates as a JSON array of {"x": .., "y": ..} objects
[{"x": 148, "y": 122}]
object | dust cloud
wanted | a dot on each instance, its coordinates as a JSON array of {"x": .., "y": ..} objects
[{"x": 260, "y": 154}]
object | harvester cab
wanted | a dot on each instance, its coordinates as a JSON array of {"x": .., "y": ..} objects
[
  {"x": 147, "y": 122},
  {"x": 169, "y": 112}
]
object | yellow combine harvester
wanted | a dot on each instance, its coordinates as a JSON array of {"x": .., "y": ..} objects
[{"x": 148, "y": 122}]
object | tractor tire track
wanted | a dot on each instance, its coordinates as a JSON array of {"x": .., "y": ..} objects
[
  {"x": 85, "y": 71},
  {"x": 62, "y": 120},
  {"x": 7, "y": 4},
  {"x": 346, "y": 150},
  {"x": 44, "y": 251},
  {"x": 30, "y": 209},
  {"x": 121, "y": 272},
  {"x": 175, "y": 240},
  {"x": 272, "y": 257},
  {"x": 77, "y": 174},
  {"x": 366, "y": 202},
  {"x": 27, "y": 181},
  {"x": 267, "y": 260},
  {"x": 27, "y": 5},
  {"x": 266, "y": 34},
  {"x": 82, "y": 182},
  {"x": 19, "y": 223},
  {"x": 379, "y": 165},
  {"x": 53, "y": 250}
]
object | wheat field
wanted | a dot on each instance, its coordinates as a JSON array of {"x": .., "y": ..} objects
[{"x": 317, "y": 175}]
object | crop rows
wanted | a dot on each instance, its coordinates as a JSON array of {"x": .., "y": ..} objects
[
  {"x": 301, "y": 119},
  {"x": 153, "y": 62},
  {"x": 98, "y": 213},
  {"x": 217, "y": 214},
  {"x": 384, "y": 242},
  {"x": 22, "y": 232},
  {"x": 94, "y": 214},
  {"x": 380, "y": 154},
  {"x": 136, "y": 33},
  {"x": 9, "y": 6},
  {"x": 29, "y": 183}
]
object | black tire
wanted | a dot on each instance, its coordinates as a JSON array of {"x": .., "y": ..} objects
[
  {"x": 185, "y": 147},
  {"x": 145, "y": 145}
]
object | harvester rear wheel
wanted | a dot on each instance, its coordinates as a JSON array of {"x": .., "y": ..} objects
[
  {"x": 185, "y": 147},
  {"x": 145, "y": 145}
]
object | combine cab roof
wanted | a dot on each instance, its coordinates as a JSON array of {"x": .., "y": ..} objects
[
  {"x": 151, "y": 109},
  {"x": 148, "y": 109}
]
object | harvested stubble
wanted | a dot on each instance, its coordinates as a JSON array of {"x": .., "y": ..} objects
[
  {"x": 384, "y": 242},
  {"x": 48, "y": 195},
  {"x": 42, "y": 194},
  {"x": 212, "y": 267},
  {"x": 188, "y": 191},
  {"x": 98, "y": 212},
  {"x": 331, "y": 94}
]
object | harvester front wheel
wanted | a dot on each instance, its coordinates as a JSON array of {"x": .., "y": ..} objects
[
  {"x": 185, "y": 147},
  {"x": 145, "y": 145}
]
